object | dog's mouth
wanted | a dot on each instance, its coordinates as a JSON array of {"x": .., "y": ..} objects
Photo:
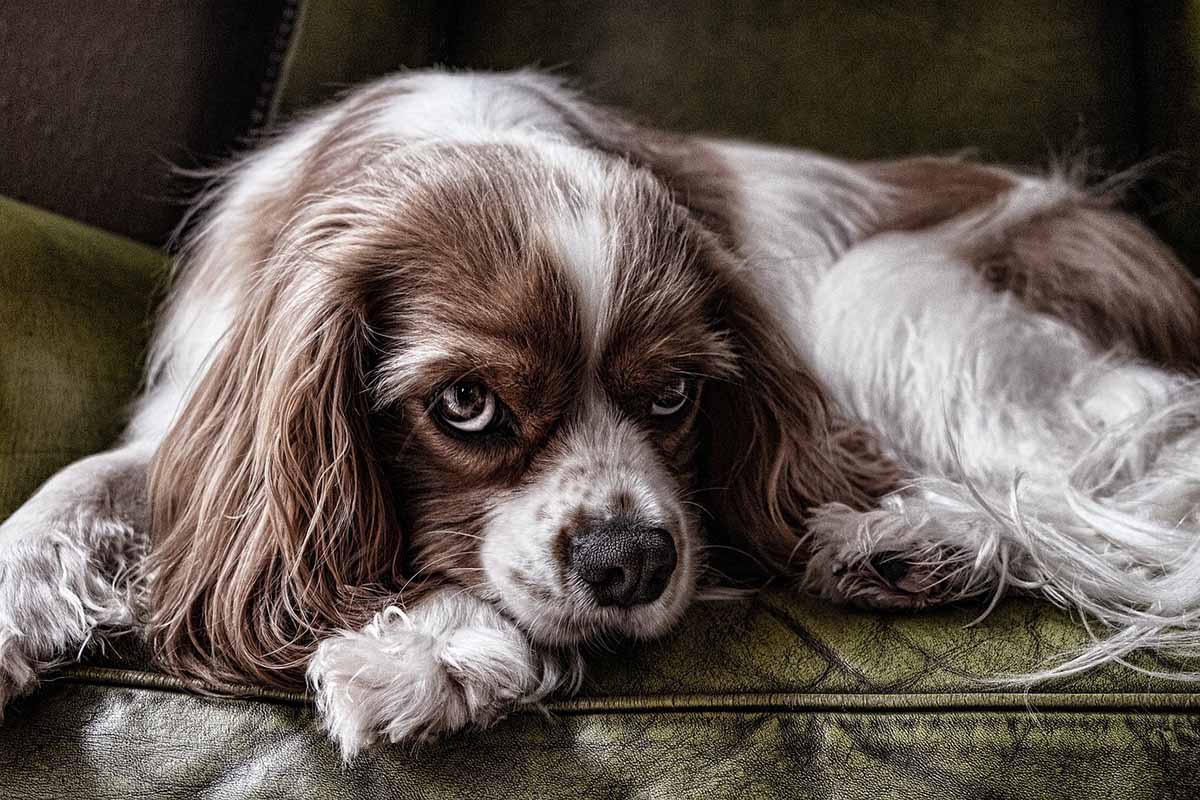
[
  {"x": 568, "y": 615},
  {"x": 558, "y": 624}
]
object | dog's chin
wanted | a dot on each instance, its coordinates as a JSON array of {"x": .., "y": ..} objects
[{"x": 561, "y": 623}]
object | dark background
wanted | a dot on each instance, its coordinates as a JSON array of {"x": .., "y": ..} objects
[{"x": 99, "y": 100}]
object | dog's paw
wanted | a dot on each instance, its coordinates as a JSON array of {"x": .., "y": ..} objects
[
  {"x": 452, "y": 663},
  {"x": 887, "y": 580},
  {"x": 18, "y": 673},
  {"x": 63, "y": 577},
  {"x": 868, "y": 559}
]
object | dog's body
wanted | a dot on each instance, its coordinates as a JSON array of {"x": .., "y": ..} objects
[{"x": 561, "y": 352}]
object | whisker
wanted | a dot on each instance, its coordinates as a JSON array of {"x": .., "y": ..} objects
[{"x": 455, "y": 532}]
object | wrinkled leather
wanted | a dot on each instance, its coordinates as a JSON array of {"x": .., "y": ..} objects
[{"x": 777, "y": 696}]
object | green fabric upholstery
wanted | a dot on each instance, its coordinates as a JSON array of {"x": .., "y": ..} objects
[
  {"x": 776, "y": 696},
  {"x": 1012, "y": 78},
  {"x": 74, "y": 311},
  {"x": 1016, "y": 79},
  {"x": 341, "y": 43}
]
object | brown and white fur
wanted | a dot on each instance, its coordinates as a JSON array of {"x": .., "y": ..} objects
[{"x": 901, "y": 383}]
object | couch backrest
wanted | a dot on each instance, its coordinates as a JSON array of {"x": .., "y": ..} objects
[
  {"x": 1023, "y": 81},
  {"x": 98, "y": 100},
  {"x": 98, "y": 104}
]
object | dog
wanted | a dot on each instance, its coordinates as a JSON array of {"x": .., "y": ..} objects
[{"x": 465, "y": 371}]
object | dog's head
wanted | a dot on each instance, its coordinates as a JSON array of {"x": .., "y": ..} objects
[
  {"x": 551, "y": 325},
  {"x": 521, "y": 364}
]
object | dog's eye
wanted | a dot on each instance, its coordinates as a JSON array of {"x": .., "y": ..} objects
[
  {"x": 672, "y": 399},
  {"x": 467, "y": 405}
]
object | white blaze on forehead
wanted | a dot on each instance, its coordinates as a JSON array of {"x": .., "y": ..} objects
[
  {"x": 584, "y": 244},
  {"x": 450, "y": 106}
]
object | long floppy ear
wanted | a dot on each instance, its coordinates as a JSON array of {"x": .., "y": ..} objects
[
  {"x": 775, "y": 448},
  {"x": 270, "y": 509}
]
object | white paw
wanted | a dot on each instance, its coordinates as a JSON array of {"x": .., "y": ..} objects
[
  {"x": 54, "y": 593},
  {"x": 450, "y": 664},
  {"x": 875, "y": 559}
]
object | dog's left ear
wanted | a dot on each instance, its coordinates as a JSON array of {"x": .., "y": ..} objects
[
  {"x": 774, "y": 447},
  {"x": 273, "y": 513}
]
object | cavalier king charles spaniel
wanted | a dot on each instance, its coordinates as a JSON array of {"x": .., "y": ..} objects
[{"x": 463, "y": 372}]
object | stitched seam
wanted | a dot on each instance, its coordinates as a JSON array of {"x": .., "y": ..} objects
[
  {"x": 110, "y": 676},
  {"x": 884, "y": 703},
  {"x": 750, "y": 701},
  {"x": 278, "y": 67}
]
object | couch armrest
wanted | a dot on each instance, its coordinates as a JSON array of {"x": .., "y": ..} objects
[{"x": 75, "y": 307}]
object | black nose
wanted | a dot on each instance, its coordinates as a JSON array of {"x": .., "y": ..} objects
[{"x": 624, "y": 563}]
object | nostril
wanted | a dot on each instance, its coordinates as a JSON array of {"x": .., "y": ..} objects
[
  {"x": 612, "y": 578},
  {"x": 610, "y": 585},
  {"x": 656, "y": 583},
  {"x": 659, "y": 550},
  {"x": 658, "y": 564}
]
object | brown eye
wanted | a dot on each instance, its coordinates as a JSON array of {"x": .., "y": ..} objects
[
  {"x": 672, "y": 399},
  {"x": 467, "y": 405}
]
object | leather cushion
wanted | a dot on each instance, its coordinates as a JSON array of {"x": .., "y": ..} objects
[{"x": 778, "y": 695}]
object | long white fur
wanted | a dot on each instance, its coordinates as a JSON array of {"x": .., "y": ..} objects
[{"x": 67, "y": 558}]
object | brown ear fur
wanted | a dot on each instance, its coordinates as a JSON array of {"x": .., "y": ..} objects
[
  {"x": 269, "y": 505},
  {"x": 776, "y": 449}
]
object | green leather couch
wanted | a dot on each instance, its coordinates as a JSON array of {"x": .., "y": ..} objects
[{"x": 772, "y": 697}]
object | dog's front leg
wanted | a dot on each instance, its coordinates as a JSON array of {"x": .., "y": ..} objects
[
  {"x": 918, "y": 550},
  {"x": 451, "y": 662},
  {"x": 68, "y": 557}
]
